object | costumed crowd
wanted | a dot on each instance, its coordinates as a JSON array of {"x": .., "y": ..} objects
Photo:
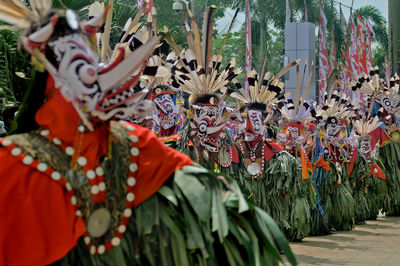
[{"x": 134, "y": 156}]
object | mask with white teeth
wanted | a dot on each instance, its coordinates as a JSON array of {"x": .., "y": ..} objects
[
  {"x": 167, "y": 109},
  {"x": 365, "y": 147},
  {"x": 64, "y": 47},
  {"x": 208, "y": 126},
  {"x": 333, "y": 127},
  {"x": 254, "y": 125}
]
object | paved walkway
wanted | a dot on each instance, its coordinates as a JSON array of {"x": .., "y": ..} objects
[{"x": 375, "y": 243}]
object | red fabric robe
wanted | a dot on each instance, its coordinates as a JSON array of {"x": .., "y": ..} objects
[{"x": 38, "y": 224}]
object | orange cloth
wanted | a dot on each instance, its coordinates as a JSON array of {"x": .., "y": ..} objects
[
  {"x": 322, "y": 163},
  {"x": 38, "y": 225},
  {"x": 270, "y": 148},
  {"x": 306, "y": 166},
  {"x": 379, "y": 135},
  {"x": 352, "y": 161},
  {"x": 376, "y": 171},
  {"x": 157, "y": 162}
]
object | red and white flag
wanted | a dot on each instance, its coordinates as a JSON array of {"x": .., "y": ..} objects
[
  {"x": 248, "y": 44},
  {"x": 324, "y": 68},
  {"x": 353, "y": 47},
  {"x": 361, "y": 45},
  {"x": 148, "y": 7},
  {"x": 345, "y": 75}
]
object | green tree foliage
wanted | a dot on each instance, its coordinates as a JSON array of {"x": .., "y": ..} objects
[
  {"x": 14, "y": 69},
  {"x": 122, "y": 11},
  {"x": 378, "y": 24},
  {"x": 378, "y": 58}
]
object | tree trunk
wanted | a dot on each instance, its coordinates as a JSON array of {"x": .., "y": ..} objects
[{"x": 394, "y": 35}]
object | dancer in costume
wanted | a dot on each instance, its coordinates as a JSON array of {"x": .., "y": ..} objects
[
  {"x": 167, "y": 96},
  {"x": 367, "y": 175},
  {"x": 295, "y": 127},
  {"x": 199, "y": 73},
  {"x": 101, "y": 192},
  {"x": 268, "y": 173},
  {"x": 334, "y": 150},
  {"x": 389, "y": 154}
]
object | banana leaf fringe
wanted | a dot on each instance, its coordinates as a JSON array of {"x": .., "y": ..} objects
[
  {"x": 336, "y": 199},
  {"x": 195, "y": 219},
  {"x": 389, "y": 156}
]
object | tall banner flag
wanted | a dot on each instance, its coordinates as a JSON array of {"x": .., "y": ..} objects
[
  {"x": 361, "y": 45},
  {"x": 345, "y": 76},
  {"x": 353, "y": 47},
  {"x": 148, "y": 7},
  {"x": 370, "y": 32},
  {"x": 248, "y": 44},
  {"x": 287, "y": 12},
  {"x": 324, "y": 68}
]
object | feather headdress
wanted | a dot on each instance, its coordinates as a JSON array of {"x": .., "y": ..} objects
[
  {"x": 364, "y": 127},
  {"x": 262, "y": 90},
  {"x": 300, "y": 109},
  {"x": 134, "y": 34},
  {"x": 389, "y": 97},
  {"x": 197, "y": 71},
  {"x": 338, "y": 105},
  {"x": 368, "y": 84},
  {"x": 16, "y": 13},
  {"x": 156, "y": 72}
]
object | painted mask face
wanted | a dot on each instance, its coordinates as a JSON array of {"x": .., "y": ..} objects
[
  {"x": 365, "y": 148},
  {"x": 293, "y": 132},
  {"x": 281, "y": 138},
  {"x": 254, "y": 124},
  {"x": 332, "y": 129},
  {"x": 167, "y": 110},
  {"x": 94, "y": 91},
  {"x": 148, "y": 119},
  {"x": 208, "y": 126},
  {"x": 390, "y": 102}
]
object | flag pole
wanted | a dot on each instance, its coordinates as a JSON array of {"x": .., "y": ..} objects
[{"x": 248, "y": 45}]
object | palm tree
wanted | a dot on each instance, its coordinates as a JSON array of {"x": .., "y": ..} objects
[
  {"x": 122, "y": 11},
  {"x": 378, "y": 24}
]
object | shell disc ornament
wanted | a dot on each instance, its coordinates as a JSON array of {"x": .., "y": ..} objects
[
  {"x": 99, "y": 222},
  {"x": 224, "y": 156},
  {"x": 254, "y": 168},
  {"x": 395, "y": 135}
]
